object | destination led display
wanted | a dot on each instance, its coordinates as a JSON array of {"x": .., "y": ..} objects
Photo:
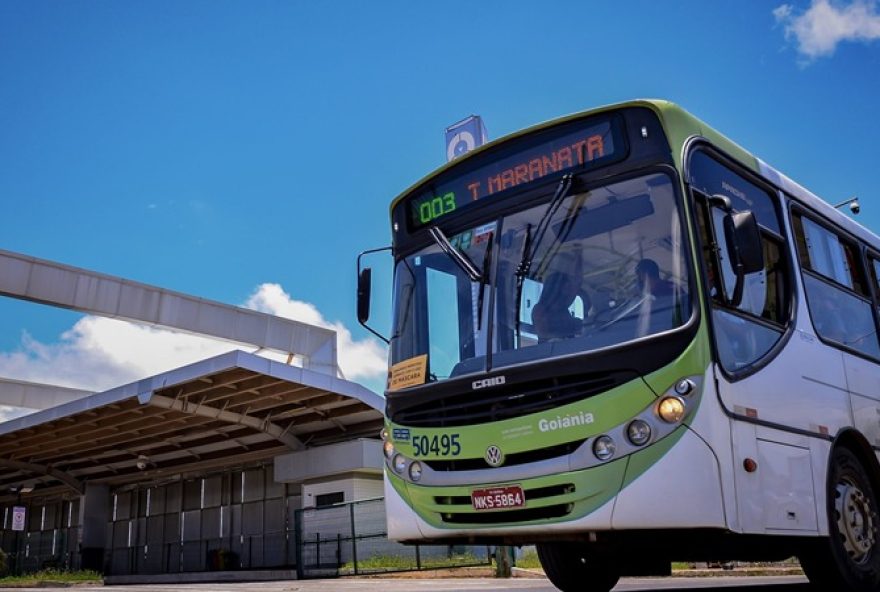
[{"x": 592, "y": 144}]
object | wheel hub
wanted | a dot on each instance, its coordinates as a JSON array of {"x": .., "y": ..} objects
[{"x": 855, "y": 521}]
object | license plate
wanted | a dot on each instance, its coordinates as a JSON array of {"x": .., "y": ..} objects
[{"x": 498, "y": 498}]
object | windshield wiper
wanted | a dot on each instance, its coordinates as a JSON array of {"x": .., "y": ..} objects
[
  {"x": 562, "y": 191},
  {"x": 484, "y": 279},
  {"x": 460, "y": 259},
  {"x": 521, "y": 271},
  {"x": 530, "y": 248}
]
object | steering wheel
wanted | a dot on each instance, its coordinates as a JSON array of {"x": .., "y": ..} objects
[{"x": 624, "y": 309}]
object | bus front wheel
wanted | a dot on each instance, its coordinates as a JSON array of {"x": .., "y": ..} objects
[
  {"x": 850, "y": 558},
  {"x": 572, "y": 568}
]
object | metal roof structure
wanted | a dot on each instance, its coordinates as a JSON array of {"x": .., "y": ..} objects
[{"x": 224, "y": 411}]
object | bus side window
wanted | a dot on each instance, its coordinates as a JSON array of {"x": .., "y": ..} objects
[
  {"x": 837, "y": 296},
  {"x": 874, "y": 265}
]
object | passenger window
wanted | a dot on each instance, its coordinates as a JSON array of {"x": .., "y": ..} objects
[
  {"x": 836, "y": 295},
  {"x": 823, "y": 252},
  {"x": 875, "y": 275},
  {"x": 746, "y": 332}
]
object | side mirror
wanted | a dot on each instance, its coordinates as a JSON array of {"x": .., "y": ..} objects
[
  {"x": 364, "y": 289},
  {"x": 744, "y": 247}
]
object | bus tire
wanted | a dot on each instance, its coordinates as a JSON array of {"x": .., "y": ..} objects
[
  {"x": 849, "y": 559},
  {"x": 571, "y": 568}
]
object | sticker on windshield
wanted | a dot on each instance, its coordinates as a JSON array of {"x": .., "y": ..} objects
[
  {"x": 411, "y": 372},
  {"x": 481, "y": 233}
]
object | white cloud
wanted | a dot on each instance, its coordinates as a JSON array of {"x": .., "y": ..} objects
[
  {"x": 825, "y": 24},
  {"x": 100, "y": 353},
  {"x": 358, "y": 359}
]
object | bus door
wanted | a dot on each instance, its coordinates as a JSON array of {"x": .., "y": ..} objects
[{"x": 756, "y": 359}]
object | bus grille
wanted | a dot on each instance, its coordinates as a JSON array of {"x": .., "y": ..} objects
[
  {"x": 517, "y": 458},
  {"x": 499, "y": 517},
  {"x": 507, "y": 401}
]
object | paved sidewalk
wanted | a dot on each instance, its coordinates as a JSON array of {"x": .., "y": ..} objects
[{"x": 731, "y": 583}]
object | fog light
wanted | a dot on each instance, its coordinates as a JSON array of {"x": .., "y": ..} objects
[
  {"x": 415, "y": 471},
  {"x": 671, "y": 409},
  {"x": 399, "y": 463},
  {"x": 604, "y": 447},
  {"x": 388, "y": 448},
  {"x": 638, "y": 432}
]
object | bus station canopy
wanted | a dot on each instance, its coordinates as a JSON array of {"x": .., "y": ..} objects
[{"x": 221, "y": 412}]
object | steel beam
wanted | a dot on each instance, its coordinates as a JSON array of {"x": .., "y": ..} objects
[
  {"x": 56, "y": 284},
  {"x": 32, "y": 395},
  {"x": 261, "y": 425}
]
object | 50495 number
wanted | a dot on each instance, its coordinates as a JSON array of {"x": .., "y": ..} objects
[{"x": 446, "y": 445}]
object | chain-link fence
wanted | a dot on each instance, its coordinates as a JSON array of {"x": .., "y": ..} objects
[
  {"x": 235, "y": 521},
  {"x": 351, "y": 539}
]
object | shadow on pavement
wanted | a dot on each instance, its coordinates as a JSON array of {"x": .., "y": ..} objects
[{"x": 798, "y": 587}]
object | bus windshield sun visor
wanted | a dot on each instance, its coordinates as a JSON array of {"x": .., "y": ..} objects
[{"x": 611, "y": 216}]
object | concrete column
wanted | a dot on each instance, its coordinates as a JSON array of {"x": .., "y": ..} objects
[{"x": 94, "y": 515}]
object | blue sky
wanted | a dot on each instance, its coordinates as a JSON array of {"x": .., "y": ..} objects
[{"x": 218, "y": 147}]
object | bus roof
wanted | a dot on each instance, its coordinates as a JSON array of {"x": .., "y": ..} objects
[{"x": 681, "y": 126}]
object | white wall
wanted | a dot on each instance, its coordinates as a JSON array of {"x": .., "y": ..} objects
[{"x": 354, "y": 487}]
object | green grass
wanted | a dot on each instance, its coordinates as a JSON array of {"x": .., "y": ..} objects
[
  {"x": 529, "y": 560},
  {"x": 408, "y": 562},
  {"x": 52, "y": 576}
]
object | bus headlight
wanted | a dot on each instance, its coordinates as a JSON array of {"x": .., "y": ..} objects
[
  {"x": 388, "y": 448},
  {"x": 604, "y": 447},
  {"x": 415, "y": 470},
  {"x": 671, "y": 409},
  {"x": 384, "y": 434},
  {"x": 638, "y": 432},
  {"x": 399, "y": 463}
]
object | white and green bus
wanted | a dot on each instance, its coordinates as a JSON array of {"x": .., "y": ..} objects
[{"x": 624, "y": 339}]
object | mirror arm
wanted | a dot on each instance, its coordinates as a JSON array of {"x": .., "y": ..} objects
[{"x": 722, "y": 201}]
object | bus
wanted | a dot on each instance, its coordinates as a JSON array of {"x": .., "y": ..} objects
[{"x": 622, "y": 338}]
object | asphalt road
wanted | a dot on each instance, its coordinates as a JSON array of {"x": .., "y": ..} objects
[{"x": 729, "y": 584}]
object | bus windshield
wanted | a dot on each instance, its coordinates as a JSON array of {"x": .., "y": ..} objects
[{"x": 596, "y": 269}]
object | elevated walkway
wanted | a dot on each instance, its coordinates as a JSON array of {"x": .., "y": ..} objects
[
  {"x": 32, "y": 395},
  {"x": 64, "y": 286}
]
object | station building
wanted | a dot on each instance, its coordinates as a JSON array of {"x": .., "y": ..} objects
[{"x": 205, "y": 467}]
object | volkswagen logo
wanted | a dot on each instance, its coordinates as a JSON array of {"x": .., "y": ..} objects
[{"x": 494, "y": 456}]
